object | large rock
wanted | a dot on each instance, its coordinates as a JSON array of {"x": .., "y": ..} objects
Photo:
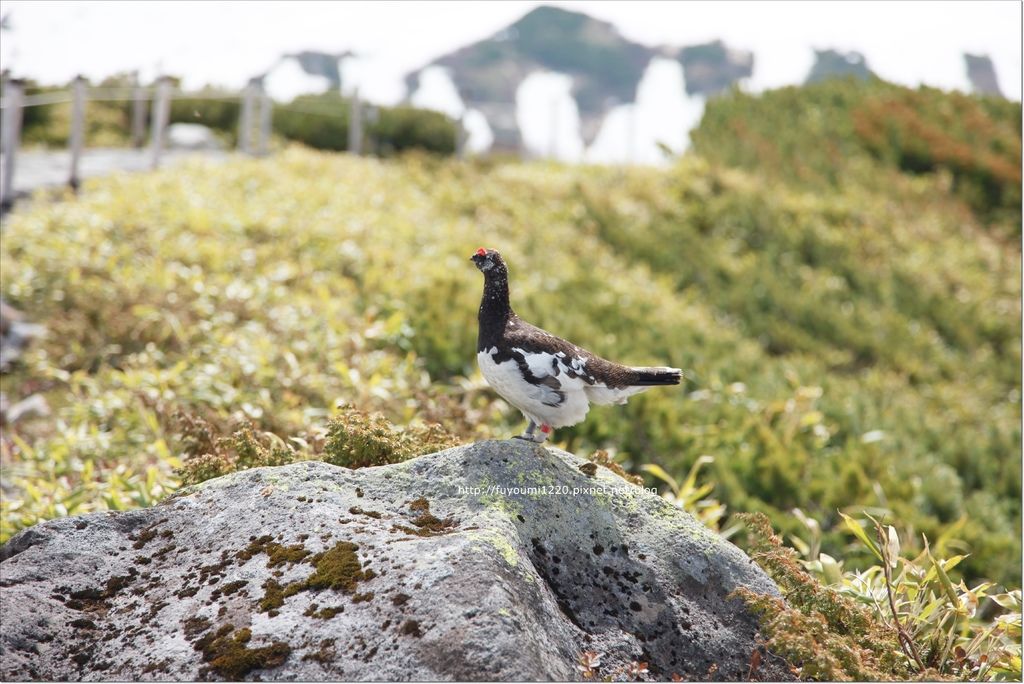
[{"x": 424, "y": 570}]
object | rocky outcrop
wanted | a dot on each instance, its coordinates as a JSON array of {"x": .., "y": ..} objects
[
  {"x": 713, "y": 68},
  {"x": 501, "y": 561},
  {"x": 834, "y": 64},
  {"x": 981, "y": 73}
]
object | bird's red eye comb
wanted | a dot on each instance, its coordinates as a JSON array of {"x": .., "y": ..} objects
[{"x": 481, "y": 252}]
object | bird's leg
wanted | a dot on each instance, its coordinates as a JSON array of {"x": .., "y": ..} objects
[
  {"x": 528, "y": 435},
  {"x": 545, "y": 430}
]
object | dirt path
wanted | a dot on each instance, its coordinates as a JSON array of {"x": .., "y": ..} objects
[{"x": 50, "y": 169}]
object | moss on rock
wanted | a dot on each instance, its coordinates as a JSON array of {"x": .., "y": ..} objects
[
  {"x": 230, "y": 656},
  {"x": 277, "y": 554},
  {"x": 338, "y": 568}
]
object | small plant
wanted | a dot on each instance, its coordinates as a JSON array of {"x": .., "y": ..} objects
[
  {"x": 215, "y": 456},
  {"x": 933, "y": 617},
  {"x": 605, "y": 458},
  {"x": 356, "y": 439},
  {"x": 821, "y": 633},
  {"x": 898, "y": 620},
  {"x": 589, "y": 663},
  {"x": 636, "y": 669}
]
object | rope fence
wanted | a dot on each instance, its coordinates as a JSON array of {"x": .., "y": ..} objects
[{"x": 152, "y": 104}]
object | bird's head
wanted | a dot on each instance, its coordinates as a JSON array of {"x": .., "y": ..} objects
[{"x": 489, "y": 262}]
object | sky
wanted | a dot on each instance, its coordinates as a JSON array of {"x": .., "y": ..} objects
[{"x": 224, "y": 43}]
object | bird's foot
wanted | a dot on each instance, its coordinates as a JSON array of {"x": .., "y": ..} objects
[
  {"x": 545, "y": 430},
  {"x": 529, "y": 437}
]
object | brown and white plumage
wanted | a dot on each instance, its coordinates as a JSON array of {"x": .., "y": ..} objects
[{"x": 550, "y": 380}]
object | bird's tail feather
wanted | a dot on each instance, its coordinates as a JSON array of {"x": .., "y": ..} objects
[{"x": 658, "y": 375}]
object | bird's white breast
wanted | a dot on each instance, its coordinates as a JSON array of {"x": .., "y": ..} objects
[
  {"x": 504, "y": 377},
  {"x": 535, "y": 400}
]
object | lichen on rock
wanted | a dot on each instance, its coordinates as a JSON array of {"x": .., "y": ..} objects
[{"x": 452, "y": 565}]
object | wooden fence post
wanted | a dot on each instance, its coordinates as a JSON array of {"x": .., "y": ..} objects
[
  {"x": 461, "y": 136},
  {"x": 245, "y": 118},
  {"x": 14, "y": 92},
  {"x": 161, "y": 113},
  {"x": 369, "y": 121},
  {"x": 266, "y": 120},
  {"x": 138, "y": 114},
  {"x": 77, "y": 138},
  {"x": 355, "y": 124}
]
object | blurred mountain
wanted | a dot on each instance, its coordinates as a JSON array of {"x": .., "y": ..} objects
[
  {"x": 982, "y": 75},
  {"x": 835, "y": 64},
  {"x": 604, "y": 66}
]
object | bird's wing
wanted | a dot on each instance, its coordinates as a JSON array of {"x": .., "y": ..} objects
[
  {"x": 576, "y": 362},
  {"x": 551, "y": 358},
  {"x": 547, "y": 361}
]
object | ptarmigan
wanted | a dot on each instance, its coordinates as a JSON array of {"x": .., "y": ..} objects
[{"x": 550, "y": 380}]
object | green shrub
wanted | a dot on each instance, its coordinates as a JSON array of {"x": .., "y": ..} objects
[
  {"x": 830, "y": 132},
  {"x": 49, "y": 125},
  {"x": 321, "y": 122},
  {"x": 402, "y": 128},
  {"x": 318, "y": 121},
  {"x": 976, "y": 141},
  {"x": 824, "y": 635}
]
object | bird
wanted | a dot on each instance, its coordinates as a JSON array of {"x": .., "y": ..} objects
[{"x": 550, "y": 380}]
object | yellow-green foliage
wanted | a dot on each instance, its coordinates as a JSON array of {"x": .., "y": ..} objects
[
  {"x": 693, "y": 497},
  {"x": 357, "y": 440},
  {"x": 849, "y": 346},
  {"x": 825, "y": 635},
  {"x": 903, "y": 619},
  {"x": 206, "y": 456}
]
